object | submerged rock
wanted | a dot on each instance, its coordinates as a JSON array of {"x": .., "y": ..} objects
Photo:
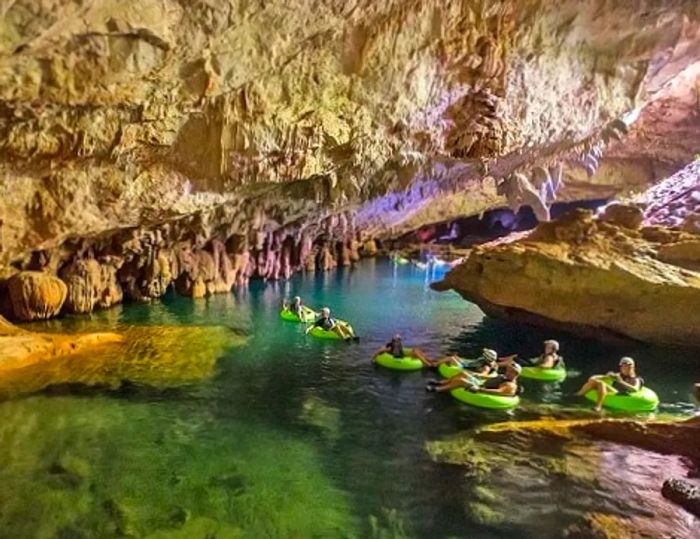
[
  {"x": 684, "y": 493},
  {"x": 543, "y": 467},
  {"x": 22, "y": 349},
  {"x": 587, "y": 275}
]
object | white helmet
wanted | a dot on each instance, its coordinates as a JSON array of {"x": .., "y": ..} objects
[
  {"x": 326, "y": 311},
  {"x": 554, "y": 344},
  {"x": 627, "y": 361},
  {"x": 489, "y": 354}
]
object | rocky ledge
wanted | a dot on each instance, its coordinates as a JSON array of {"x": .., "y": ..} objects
[
  {"x": 606, "y": 275},
  {"x": 666, "y": 437},
  {"x": 21, "y": 349}
]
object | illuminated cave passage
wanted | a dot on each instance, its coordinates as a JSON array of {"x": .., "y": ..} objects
[{"x": 492, "y": 224}]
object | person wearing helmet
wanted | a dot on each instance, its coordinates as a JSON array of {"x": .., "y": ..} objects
[
  {"x": 624, "y": 382},
  {"x": 482, "y": 366},
  {"x": 295, "y": 306},
  {"x": 396, "y": 349},
  {"x": 505, "y": 384},
  {"x": 549, "y": 359},
  {"x": 329, "y": 324}
]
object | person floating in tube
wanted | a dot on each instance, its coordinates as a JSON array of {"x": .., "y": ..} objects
[
  {"x": 396, "y": 349},
  {"x": 327, "y": 323}
]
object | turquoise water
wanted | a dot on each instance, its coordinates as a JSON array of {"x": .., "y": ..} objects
[{"x": 286, "y": 436}]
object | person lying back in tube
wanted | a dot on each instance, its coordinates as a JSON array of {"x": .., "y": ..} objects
[
  {"x": 624, "y": 382},
  {"x": 549, "y": 359},
  {"x": 327, "y": 323},
  {"x": 505, "y": 384},
  {"x": 484, "y": 365},
  {"x": 295, "y": 306},
  {"x": 396, "y": 349}
]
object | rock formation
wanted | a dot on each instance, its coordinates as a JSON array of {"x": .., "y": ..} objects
[
  {"x": 22, "y": 349},
  {"x": 592, "y": 275},
  {"x": 155, "y": 356},
  {"x": 197, "y": 144},
  {"x": 35, "y": 296},
  {"x": 665, "y": 437}
]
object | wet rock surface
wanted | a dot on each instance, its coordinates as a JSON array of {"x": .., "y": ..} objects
[
  {"x": 684, "y": 493},
  {"x": 150, "y": 141},
  {"x": 609, "y": 491},
  {"x": 590, "y": 276},
  {"x": 21, "y": 348}
]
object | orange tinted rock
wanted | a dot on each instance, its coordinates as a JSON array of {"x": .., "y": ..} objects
[{"x": 35, "y": 295}]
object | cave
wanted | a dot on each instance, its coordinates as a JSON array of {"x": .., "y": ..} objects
[{"x": 349, "y": 269}]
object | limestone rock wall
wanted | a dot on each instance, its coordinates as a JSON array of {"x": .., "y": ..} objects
[{"x": 255, "y": 138}]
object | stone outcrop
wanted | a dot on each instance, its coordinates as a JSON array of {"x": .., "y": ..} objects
[
  {"x": 153, "y": 356},
  {"x": 592, "y": 276},
  {"x": 675, "y": 202},
  {"x": 35, "y": 296},
  {"x": 575, "y": 456},
  {"x": 665, "y": 437},
  {"x": 683, "y": 492},
  {"x": 22, "y": 349},
  {"x": 148, "y": 140}
]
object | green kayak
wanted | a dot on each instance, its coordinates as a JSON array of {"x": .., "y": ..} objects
[
  {"x": 644, "y": 400},
  {"x": 399, "y": 364},
  {"x": 321, "y": 333},
  {"x": 485, "y": 400},
  {"x": 555, "y": 374},
  {"x": 307, "y": 315}
]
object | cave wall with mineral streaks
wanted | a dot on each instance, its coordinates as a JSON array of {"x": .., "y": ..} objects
[{"x": 196, "y": 144}]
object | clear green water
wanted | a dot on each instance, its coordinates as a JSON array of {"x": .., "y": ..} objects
[{"x": 287, "y": 436}]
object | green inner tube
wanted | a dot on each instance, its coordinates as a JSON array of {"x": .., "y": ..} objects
[
  {"x": 401, "y": 260},
  {"x": 399, "y": 364},
  {"x": 321, "y": 333},
  {"x": 644, "y": 400},
  {"x": 448, "y": 371},
  {"x": 555, "y": 374},
  {"x": 483, "y": 400},
  {"x": 307, "y": 315}
]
